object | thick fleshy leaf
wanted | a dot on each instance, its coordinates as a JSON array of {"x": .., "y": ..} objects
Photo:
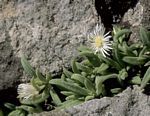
[
  {"x": 69, "y": 86},
  {"x": 29, "y": 109},
  {"x": 111, "y": 62},
  {"x": 100, "y": 70},
  {"x": 136, "y": 80},
  {"x": 122, "y": 74},
  {"x": 69, "y": 103},
  {"x": 83, "y": 68},
  {"x": 134, "y": 60},
  {"x": 27, "y": 67},
  {"x": 120, "y": 33},
  {"x": 17, "y": 113},
  {"x": 99, "y": 82},
  {"x": 146, "y": 78},
  {"x": 93, "y": 58},
  {"x": 67, "y": 93},
  {"x": 71, "y": 97},
  {"x": 89, "y": 85},
  {"x": 83, "y": 48},
  {"x": 10, "y": 106},
  {"x": 145, "y": 36},
  {"x": 89, "y": 97},
  {"x": 74, "y": 66},
  {"x": 116, "y": 90},
  {"x": 147, "y": 63},
  {"x": 67, "y": 73},
  {"x": 55, "y": 97},
  {"x": 1, "y": 113},
  {"x": 78, "y": 78},
  {"x": 40, "y": 76}
]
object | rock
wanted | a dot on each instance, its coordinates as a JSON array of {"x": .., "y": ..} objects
[
  {"x": 138, "y": 16},
  {"x": 10, "y": 67},
  {"x": 48, "y": 32},
  {"x": 52, "y": 113},
  {"x": 131, "y": 102},
  {"x": 128, "y": 103},
  {"x": 112, "y": 11}
]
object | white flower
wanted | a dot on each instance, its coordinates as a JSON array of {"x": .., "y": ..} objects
[
  {"x": 25, "y": 91},
  {"x": 100, "y": 41}
]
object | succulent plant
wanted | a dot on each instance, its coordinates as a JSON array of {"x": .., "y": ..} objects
[{"x": 92, "y": 74}]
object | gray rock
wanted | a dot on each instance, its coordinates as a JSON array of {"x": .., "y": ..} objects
[
  {"x": 52, "y": 113},
  {"x": 10, "y": 67},
  {"x": 48, "y": 32},
  {"x": 128, "y": 103},
  {"x": 131, "y": 102},
  {"x": 138, "y": 16}
]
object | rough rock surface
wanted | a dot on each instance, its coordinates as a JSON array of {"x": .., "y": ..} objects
[
  {"x": 52, "y": 113},
  {"x": 48, "y": 32},
  {"x": 138, "y": 16},
  {"x": 131, "y": 102}
]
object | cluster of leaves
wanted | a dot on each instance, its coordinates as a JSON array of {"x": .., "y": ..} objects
[
  {"x": 95, "y": 76},
  {"x": 33, "y": 104},
  {"x": 92, "y": 75}
]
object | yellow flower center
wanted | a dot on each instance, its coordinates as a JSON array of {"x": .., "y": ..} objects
[{"x": 98, "y": 41}]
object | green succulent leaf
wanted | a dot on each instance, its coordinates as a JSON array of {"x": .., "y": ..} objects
[
  {"x": 99, "y": 82},
  {"x": 118, "y": 56},
  {"x": 127, "y": 50},
  {"x": 67, "y": 93},
  {"x": 135, "y": 46},
  {"x": 142, "y": 51},
  {"x": 55, "y": 97},
  {"x": 136, "y": 80},
  {"x": 63, "y": 77},
  {"x": 83, "y": 68},
  {"x": 147, "y": 63},
  {"x": 100, "y": 70},
  {"x": 40, "y": 76},
  {"x": 120, "y": 33},
  {"x": 67, "y": 73},
  {"x": 17, "y": 113},
  {"x": 74, "y": 67},
  {"x": 145, "y": 36},
  {"x": 78, "y": 78},
  {"x": 146, "y": 78},
  {"x": 37, "y": 84},
  {"x": 123, "y": 74},
  {"x": 1, "y": 113},
  {"x": 89, "y": 85},
  {"x": 111, "y": 62},
  {"x": 69, "y": 103},
  {"x": 84, "y": 48},
  {"x": 116, "y": 90},
  {"x": 69, "y": 80},
  {"x": 10, "y": 106},
  {"x": 69, "y": 86},
  {"x": 48, "y": 77},
  {"x": 134, "y": 60},
  {"x": 93, "y": 58},
  {"x": 27, "y": 67},
  {"x": 89, "y": 97},
  {"x": 71, "y": 97},
  {"x": 28, "y": 109}
]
